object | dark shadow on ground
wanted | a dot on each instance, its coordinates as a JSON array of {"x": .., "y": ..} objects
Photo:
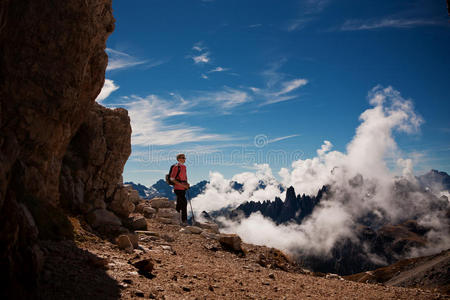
[{"x": 73, "y": 273}]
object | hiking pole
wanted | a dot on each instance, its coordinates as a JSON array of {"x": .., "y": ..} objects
[{"x": 192, "y": 211}]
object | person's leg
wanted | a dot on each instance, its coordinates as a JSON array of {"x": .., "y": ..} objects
[{"x": 181, "y": 204}]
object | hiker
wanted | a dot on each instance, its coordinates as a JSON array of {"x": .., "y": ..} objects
[{"x": 179, "y": 177}]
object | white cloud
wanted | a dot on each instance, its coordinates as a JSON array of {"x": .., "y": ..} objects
[
  {"x": 148, "y": 121},
  {"x": 289, "y": 86},
  {"x": 282, "y": 138},
  {"x": 204, "y": 76},
  {"x": 202, "y": 58},
  {"x": 107, "y": 89},
  {"x": 354, "y": 25},
  {"x": 121, "y": 60},
  {"x": 218, "y": 69},
  {"x": 226, "y": 98},
  {"x": 360, "y": 180},
  {"x": 254, "y": 25},
  {"x": 277, "y": 88}
]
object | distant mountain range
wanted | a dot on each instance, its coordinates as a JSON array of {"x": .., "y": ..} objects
[
  {"x": 435, "y": 180},
  {"x": 376, "y": 236},
  {"x": 162, "y": 189}
]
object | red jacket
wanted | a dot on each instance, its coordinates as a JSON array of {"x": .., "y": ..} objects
[{"x": 182, "y": 176}]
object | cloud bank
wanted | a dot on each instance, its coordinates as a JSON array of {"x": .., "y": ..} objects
[{"x": 360, "y": 179}]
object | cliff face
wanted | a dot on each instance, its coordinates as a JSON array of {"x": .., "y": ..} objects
[
  {"x": 91, "y": 175},
  {"x": 52, "y": 66}
]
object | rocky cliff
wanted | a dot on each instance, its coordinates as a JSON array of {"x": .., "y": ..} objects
[{"x": 56, "y": 145}]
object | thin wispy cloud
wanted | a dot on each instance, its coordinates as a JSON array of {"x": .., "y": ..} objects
[
  {"x": 355, "y": 25},
  {"x": 202, "y": 58},
  {"x": 204, "y": 76},
  {"x": 149, "y": 121},
  {"x": 108, "y": 87},
  {"x": 121, "y": 60},
  {"x": 218, "y": 69},
  {"x": 198, "y": 47},
  {"x": 309, "y": 12},
  {"x": 226, "y": 99},
  {"x": 282, "y": 138},
  {"x": 298, "y": 24},
  {"x": 291, "y": 85},
  {"x": 254, "y": 25},
  {"x": 277, "y": 88}
]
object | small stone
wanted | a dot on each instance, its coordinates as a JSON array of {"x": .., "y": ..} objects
[
  {"x": 139, "y": 222},
  {"x": 149, "y": 212},
  {"x": 139, "y": 293},
  {"x": 186, "y": 289},
  {"x": 194, "y": 229},
  {"x": 211, "y": 288},
  {"x": 129, "y": 281},
  {"x": 134, "y": 239},
  {"x": 146, "y": 232},
  {"x": 144, "y": 265},
  {"x": 271, "y": 275},
  {"x": 230, "y": 241},
  {"x": 124, "y": 243}
]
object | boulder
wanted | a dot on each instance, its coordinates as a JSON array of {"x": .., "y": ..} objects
[
  {"x": 139, "y": 208},
  {"x": 102, "y": 217},
  {"x": 160, "y": 203},
  {"x": 230, "y": 241},
  {"x": 193, "y": 229},
  {"x": 167, "y": 213},
  {"x": 209, "y": 235},
  {"x": 139, "y": 223},
  {"x": 121, "y": 204},
  {"x": 209, "y": 226},
  {"x": 149, "y": 212},
  {"x": 168, "y": 221}
]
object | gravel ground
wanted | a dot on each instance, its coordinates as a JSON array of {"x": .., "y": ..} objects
[{"x": 190, "y": 266}]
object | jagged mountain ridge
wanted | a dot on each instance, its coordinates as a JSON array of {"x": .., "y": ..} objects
[
  {"x": 379, "y": 242},
  {"x": 162, "y": 189}
]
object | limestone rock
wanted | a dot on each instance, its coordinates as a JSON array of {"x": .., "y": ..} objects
[
  {"x": 167, "y": 213},
  {"x": 209, "y": 226},
  {"x": 139, "y": 208},
  {"x": 124, "y": 243},
  {"x": 149, "y": 212},
  {"x": 121, "y": 203},
  {"x": 143, "y": 264},
  {"x": 134, "y": 239},
  {"x": 209, "y": 235},
  {"x": 139, "y": 223},
  {"x": 102, "y": 218},
  {"x": 160, "y": 203},
  {"x": 193, "y": 229},
  {"x": 52, "y": 63},
  {"x": 230, "y": 241},
  {"x": 93, "y": 163}
]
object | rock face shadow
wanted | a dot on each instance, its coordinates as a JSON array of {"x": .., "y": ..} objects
[{"x": 73, "y": 273}]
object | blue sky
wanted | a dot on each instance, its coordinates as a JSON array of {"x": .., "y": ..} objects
[{"x": 233, "y": 83}]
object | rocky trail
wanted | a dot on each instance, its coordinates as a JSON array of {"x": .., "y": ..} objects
[{"x": 173, "y": 262}]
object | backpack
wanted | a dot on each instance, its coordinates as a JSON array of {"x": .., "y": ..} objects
[{"x": 170, "y": 182}]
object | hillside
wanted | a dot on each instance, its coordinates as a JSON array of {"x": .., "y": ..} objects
[
  {"x": 431, "y": 272},
  {"x": 190, "y": 266}
]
